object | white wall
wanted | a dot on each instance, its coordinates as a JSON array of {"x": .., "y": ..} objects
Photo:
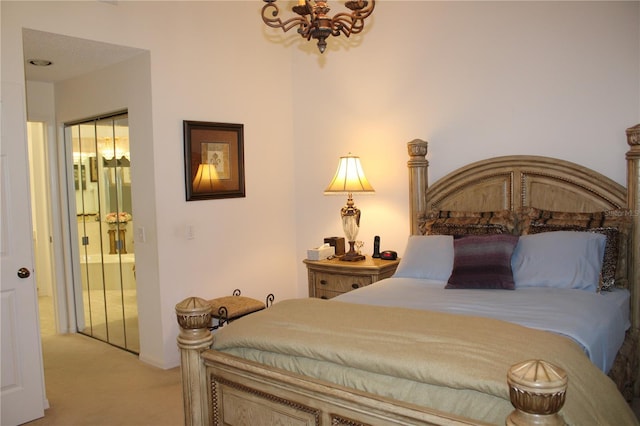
[
  {"x": 41, "y": 107},
  {"x": 203, "y": 66},
  {"x": 38, "y": 178},
  {"x": 41, "y": 111},
  {"x": 475, "y": 79}
]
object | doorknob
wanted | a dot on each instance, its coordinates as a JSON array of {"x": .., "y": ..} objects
[{"x": 23, "y": 273}]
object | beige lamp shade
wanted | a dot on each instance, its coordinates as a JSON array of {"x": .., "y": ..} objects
[
  {"x": 349, "y": 177},
  {"x": 205, "y": 178}
]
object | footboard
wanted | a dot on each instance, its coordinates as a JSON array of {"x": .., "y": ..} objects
[
  {"x": 247, "y": 393},
  {"x": 223, "y": 389}
]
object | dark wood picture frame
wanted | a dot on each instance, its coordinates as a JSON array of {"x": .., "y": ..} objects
[{"x": 218, "y": 150}]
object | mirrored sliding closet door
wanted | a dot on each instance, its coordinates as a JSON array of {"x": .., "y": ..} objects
[{"x": 104, "y": 259}]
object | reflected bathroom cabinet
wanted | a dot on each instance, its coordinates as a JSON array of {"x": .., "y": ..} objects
[{"x": 104, "y": 257}]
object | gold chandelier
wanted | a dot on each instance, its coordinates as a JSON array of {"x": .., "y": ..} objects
[{"x": 313, "y": 21}]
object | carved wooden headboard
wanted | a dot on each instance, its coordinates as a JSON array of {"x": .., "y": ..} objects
[{"x": 517, "y": 181}]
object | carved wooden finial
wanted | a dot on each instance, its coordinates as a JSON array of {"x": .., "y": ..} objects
[
  {"x": 193, "y": 313},
  {"x": 417, "y": 149},
  {"x": 633, "y": 135},
  {"x": 537, "y": 391}
]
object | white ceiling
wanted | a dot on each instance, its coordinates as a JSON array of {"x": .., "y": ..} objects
[{"x": 71, "y": 56}]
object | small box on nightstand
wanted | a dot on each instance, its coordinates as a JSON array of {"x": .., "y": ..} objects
[
  {"x": 320, "y": 253},
  {"x": 338, "y": 243}
]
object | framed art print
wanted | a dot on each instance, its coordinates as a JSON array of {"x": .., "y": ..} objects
[{"x": 213, "y": 160}]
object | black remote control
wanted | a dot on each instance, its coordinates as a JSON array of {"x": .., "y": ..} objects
[{"x": 376, "y": 246}]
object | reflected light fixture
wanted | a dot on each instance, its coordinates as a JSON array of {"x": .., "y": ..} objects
[
  {"x": 205, "y": 177},
  {"x": 111, "y": 148},
  {"x": 350, "y": 178},
  {"x": 313, "y": 21}
]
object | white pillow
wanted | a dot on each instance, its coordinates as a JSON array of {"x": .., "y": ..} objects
[
  {"x": 561, "y": 259},
  {"x": 427, "y": 257}
]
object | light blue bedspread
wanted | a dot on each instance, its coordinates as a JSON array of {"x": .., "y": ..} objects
[{"x": 597, "y": 321}]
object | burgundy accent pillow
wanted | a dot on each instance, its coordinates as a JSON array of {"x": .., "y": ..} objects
[{"x": 483, "y": 262}]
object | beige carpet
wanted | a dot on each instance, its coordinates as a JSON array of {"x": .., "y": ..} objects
[{"x": 91, "y": 383}]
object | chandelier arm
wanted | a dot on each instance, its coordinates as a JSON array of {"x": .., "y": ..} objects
[
  {"x": 351, "y": 23},
  {"x": 360, "y": 13},
  {"x": 306, "y": 32},
  {"x": 356, "y": 14},
  {"x": 276, "y": 22},
  {"x": 346, "y": 26}
]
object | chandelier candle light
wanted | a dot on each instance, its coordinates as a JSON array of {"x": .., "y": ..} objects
[
  {"x": 350, "y": 178},
  {"x": 313, "y": 21}
]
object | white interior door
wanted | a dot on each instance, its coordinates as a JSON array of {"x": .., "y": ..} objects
[{"x": 22, "y": 393}]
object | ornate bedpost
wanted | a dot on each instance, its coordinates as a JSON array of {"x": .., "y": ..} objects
[
  {"x": 537, "y": 391},
  {"x": 633, "y": 200},
  {"x": 418, "y": 183},
  {"x": 194, "y": 317}
]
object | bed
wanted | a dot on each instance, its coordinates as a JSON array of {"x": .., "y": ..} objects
[{"x": 443, "y": 362}]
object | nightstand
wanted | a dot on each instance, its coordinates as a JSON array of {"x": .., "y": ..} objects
[{"x": 329, "y": 278}]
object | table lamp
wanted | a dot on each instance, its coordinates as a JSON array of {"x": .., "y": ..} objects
[{"x": 350, "y": 178}]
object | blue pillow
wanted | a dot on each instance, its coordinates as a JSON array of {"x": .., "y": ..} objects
[
  {"x": 561, "y": 259},
  {"x": 427, "y": 257}
]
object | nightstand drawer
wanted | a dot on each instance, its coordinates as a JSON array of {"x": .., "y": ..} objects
[
  {"x": 330, "y": 278},
  {"x": 326, "y": 294},
  {"x": 340, "y": 283}
]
